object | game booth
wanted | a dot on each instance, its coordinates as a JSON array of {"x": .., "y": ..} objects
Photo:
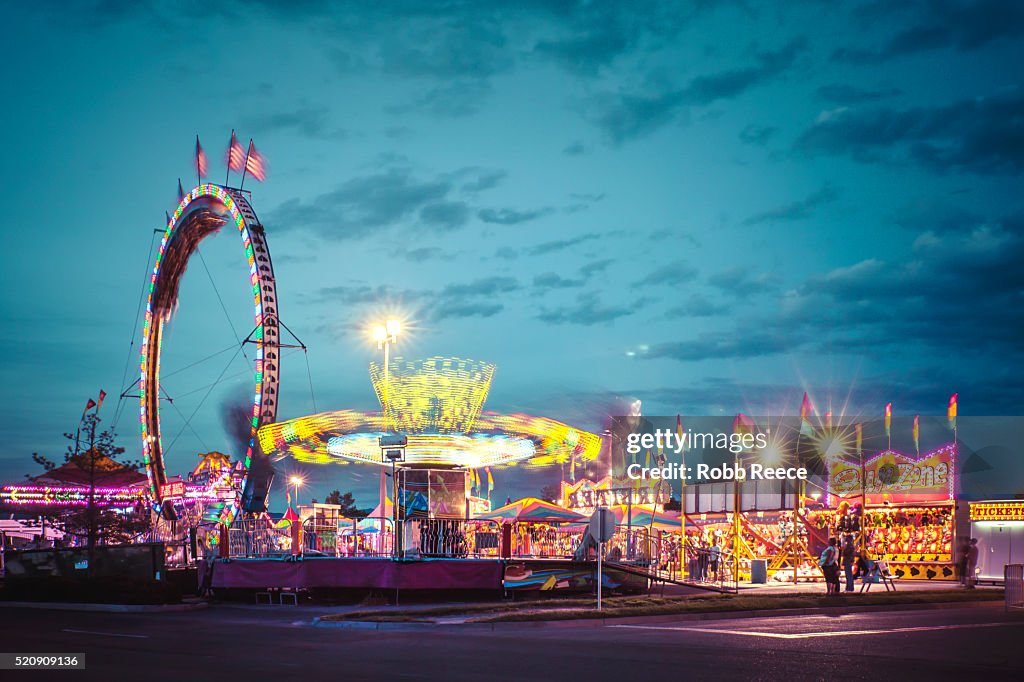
[{"x": 904, "y": 513}]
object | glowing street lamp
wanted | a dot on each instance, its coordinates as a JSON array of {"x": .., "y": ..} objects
[
  {"x": 385, "y": 335},
  {"x": 296, "y": 481}
]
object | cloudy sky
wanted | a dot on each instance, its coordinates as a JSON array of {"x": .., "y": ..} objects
[{"x": 710, "y": 206}]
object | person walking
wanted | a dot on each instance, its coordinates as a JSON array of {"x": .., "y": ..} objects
[
  {"x": 963, "y": 548},
  {"x": 849, "y": 554},
  {"x": 972, "y": 563},
  {"x": 829, "y": 564}
]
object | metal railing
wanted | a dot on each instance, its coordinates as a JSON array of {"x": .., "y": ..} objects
[
  {"x": 454, "y": 538},
  {"x": 258, "y": 538},
  {"x": 706, "y": 567},
  {"x": 1013, "y": 577},
  {"x": 344, "y": 538}
]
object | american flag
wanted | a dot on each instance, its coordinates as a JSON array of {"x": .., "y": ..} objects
[
  {"x": 255, "y": 164},
  {"x": 200, "y": 159},
  {"x": 236, "y": 155}
]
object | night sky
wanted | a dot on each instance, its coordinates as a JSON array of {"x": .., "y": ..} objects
[{"x": 709, "y": 206}]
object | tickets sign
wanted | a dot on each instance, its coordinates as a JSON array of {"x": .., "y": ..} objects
[
  {"x": 896, "y": 478},
  {"x": 997, "y": 511}
]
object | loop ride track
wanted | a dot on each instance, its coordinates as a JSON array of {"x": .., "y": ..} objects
[{"x": 202, "y": 212}]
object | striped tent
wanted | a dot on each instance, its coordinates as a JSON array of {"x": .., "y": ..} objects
[
  {"x": 533, "y": 509},
  {"x": 646, "y": 516}
]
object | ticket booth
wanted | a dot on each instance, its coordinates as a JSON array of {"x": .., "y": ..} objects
[{"x": 998, "y": 526}]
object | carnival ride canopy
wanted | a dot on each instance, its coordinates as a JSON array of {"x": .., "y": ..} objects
[
  {"x": 348, "y": 436},
  {"x": 437, "y": 404},
  {"x": 644, "y": 515},
  {"x": 91, "y": 468},
  {"x": 533, "y": 509}
]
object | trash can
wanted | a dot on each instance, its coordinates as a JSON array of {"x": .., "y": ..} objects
[{"x": 759, "y": 571}]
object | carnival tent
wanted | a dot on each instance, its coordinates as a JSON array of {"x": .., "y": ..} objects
[
  {"x": 533, "y": 509},
  {"x": 646, "y": 516},
  {"x": 92, "y": 468}
]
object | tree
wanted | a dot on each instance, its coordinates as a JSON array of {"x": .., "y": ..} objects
[
  {"x": 346, "y": 501},
  {"x": 551, "y": 492},
  {"x": 97, "y": 461}
]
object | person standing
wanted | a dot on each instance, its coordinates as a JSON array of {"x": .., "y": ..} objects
[
  {"x": 972, "y": 563},
  {"x": 849, "y": 556},
  {"x": 716, "y": 554},
  {"x": 963, "y": 549},
  {"x": 829, "y": 563}
]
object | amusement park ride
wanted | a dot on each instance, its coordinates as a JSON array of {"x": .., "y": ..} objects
[
  {"x": 435, "y": 403},
  {"x": 433, "y": 433}
]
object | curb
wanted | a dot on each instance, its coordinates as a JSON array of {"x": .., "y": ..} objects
[
  {"x": 104, "y": 608},
  {"x": 667, "y": 618}
]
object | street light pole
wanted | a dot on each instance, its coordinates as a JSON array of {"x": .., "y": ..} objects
[{"x": 385, "y": 335}]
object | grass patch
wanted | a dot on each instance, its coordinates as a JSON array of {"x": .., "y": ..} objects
[
  {"x": 621, "y": 607},
  {"x": 744, "y": 603}
]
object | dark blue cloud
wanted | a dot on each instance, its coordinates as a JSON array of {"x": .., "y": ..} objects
[
  {"x": 587, "y": 310},
  {"x": 511, "y": 216},
  {"x": 982, "y": 135},
  {"x": 938, "y": 24},
  {"x": 627, "y": 116},
  {"x": 796, "y": 210}
]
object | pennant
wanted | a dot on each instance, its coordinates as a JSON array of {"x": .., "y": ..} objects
[
  {"x": 167, "y": 218},
  {"x": 490, "y": 481},
  {"x": 888, "y": 420},
  {"x": 859, "y": 428},
  {"x": 235, "y": 157},
  {"x": 951, "y": 411},
  {"x": 99, "y": 403},
  {"x": 200, "y": 160},
  {"x": 88, "y": 406},
  {"x": 805, "y": 407},
  {"x": 181, "y": 191},
  {"x": 805, "y": 416},
  {"x": 917, "y": 433},
  {"x": 743, "y": 424},
  {"x": 255, "y": 164}
]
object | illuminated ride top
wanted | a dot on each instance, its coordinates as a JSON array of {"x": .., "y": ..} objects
[{"x": 437, "y": 403}]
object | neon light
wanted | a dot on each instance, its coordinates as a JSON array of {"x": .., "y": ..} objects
[
  {"x": 149, "y": 358},
  {"x": 436, "y": 395}
]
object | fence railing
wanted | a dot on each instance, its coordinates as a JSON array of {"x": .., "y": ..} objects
[
  {"x": 1013, "y": 576},
  {"x": 710, "y": 567}
]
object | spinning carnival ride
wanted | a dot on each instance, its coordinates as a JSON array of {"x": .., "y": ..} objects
[{"x": 202, "y": 212}]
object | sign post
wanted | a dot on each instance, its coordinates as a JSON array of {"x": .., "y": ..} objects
[
  {"x": 602, "y": 528},
  {"x": 392, "y": 448}
]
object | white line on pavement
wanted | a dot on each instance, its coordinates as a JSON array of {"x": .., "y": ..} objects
[
  {"x": 807, "y": 635},
  {"x": 105, "y": 634}
]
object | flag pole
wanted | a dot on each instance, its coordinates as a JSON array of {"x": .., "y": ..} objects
[
  {"x": 245, "y": 166},
  {"x": 227, "y": 173},
  {"x": 199, "y": 175}
]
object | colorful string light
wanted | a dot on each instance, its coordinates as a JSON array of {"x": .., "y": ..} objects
[{"x": 263, "y": 289}]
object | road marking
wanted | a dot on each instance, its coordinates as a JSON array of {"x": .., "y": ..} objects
[
  {"x": 105, "y": 634},
  {"x": 808, "y": 635}
]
